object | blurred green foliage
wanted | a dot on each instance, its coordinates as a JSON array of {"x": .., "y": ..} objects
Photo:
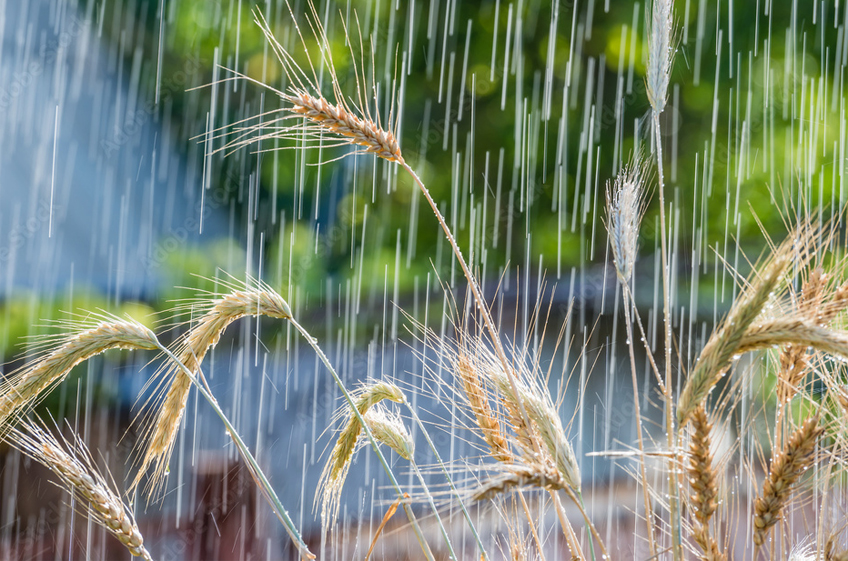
[{"x": 326, "y": 242}]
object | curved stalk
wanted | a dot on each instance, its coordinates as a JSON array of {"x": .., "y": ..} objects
[
  {"x": 255, "y": 471},
  {"x": 435, "y": 510},
  {"x": 484, "y": 311},
  {"x": 475, "y": 290},
  {"x": 449, "y": 479},
  {"x": 406, "y": 508}
]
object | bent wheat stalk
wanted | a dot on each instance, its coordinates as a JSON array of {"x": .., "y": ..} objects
[
  {"x": 521, "y": 475},
  {"x": 388, "y": 428},
  {"x": 425, "y": 548},
  {"x": 78, "y": 474},
  {"x": 337, "y": 119},
  {"x": 341, "y": 120},
  {"x": 335, "y": 471},
  {"x": 253, "y": 466},
  {"x": 726, "y": 341},
  {"x": 220, "y": 312},
  {"x": 795, "y": 332},
  {"x": 83, "y": 342}
]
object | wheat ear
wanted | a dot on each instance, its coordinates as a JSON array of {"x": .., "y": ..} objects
[
  {"x": 78, "y": 474},
  {"x": 221, "y": 312},
  {"x": 793, "y": 360},
  {"x": 339, "y": 120},
  {"x": 335, "y": 471},
  {"x": 488, "y": 423},
  {"x": 786, "y": 468},
  {"x": 515, "y": 476},
  {"x": 388, "y": 429},
  {"x": 793, "y": 366},
  {"x": 85, "y": 341},
  {"x": 546, "y": 421},
  {"x": 702, "y": 477},
  {"x": 660, "y": 53},
  {"x": 724, "y": 343},
  {"x": 795, "y": 332},
  {"x": 625, "y": 208}
]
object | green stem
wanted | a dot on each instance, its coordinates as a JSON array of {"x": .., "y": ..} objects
[
  {"x": 406, "y": 508},
  {"x": 449, "y": 479},
  {"x": 673, "y": 504},
  {"x": 253, "y": 465},
  {"x": 649, "y": 514},
  {"x": 577, "y": 497},
  {"x": 451, "y": 552}
]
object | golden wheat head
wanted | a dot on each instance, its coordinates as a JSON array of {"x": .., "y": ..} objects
[
  {"x": 335, "y": 470},
  {"x": 218, "y": 311},
  {"x": 786, "y": 468},
  {"x": 702, "y": 477},
  {"x": 547, "y": 424},
  {"x": 82, "y": 340},
  {"x": 715, "y": 358},
  {"x": 76, "y": 471}
]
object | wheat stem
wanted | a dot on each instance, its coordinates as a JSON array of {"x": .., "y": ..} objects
[
  {"x": 577, "y": 498},
  {"x": 323, "y": 358},
  {"x": 475, "y": 290},
  {"x": 649, "y": 512},
  {"x": 253, "y": 466},
  {"x": 444, "y": 469},
  {"x": 484, "y": 311},
  {"x": 659, "y": 68},
  {"x": 673, "y": 503},
  {"x": 570, "y": 535},
  {"x": 432, "y": 503}
]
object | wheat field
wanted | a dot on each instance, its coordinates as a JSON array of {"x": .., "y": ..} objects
[{"x": 617, "y": 329}]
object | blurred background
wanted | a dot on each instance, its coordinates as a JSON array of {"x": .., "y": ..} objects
[{"x": 515, "y": 115}]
